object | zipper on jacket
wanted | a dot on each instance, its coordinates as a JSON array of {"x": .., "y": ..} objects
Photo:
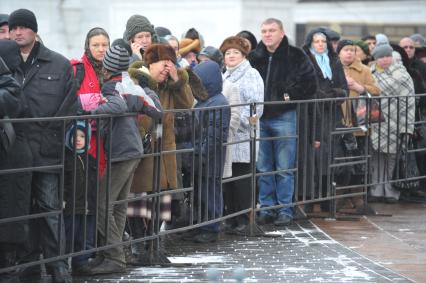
[{"x": 268, "y": 73}]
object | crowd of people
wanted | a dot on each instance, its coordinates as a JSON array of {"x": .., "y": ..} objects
[{"x": 109, "y": 170}]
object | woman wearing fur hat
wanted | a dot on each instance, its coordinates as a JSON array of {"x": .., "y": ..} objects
[
  {"x": 331, "y": 84},
  {"x": 250, "y": 84},
  {"x": 190, "y": 46},
  {"x": 158, "y": 72}
]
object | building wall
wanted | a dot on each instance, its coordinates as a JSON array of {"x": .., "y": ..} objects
[{"x": 63, "y": 24}]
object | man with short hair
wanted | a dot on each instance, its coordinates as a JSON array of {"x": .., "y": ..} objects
[
  {"x": 417, "y": 65},
  {"x": 4, "y": 26},
  {"x": 288, "y": 75},
  {"x": 370, "y": 40},
  {"x": 409, "y": 46},
  {"x": 46, "y": 78}
]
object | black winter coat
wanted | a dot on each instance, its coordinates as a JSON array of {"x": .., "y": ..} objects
[
  {"x": 49, "y": 90},
  {"x": 15, "y": 189},
  {"x": 84, "y": 202},
  {"x": 330, "y": 112},
  {"x": 290, "y": 72}
]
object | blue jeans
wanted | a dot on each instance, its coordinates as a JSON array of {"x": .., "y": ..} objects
[
  {"x": 80, "y": 260},
  {"x": 277, "y": 155}
]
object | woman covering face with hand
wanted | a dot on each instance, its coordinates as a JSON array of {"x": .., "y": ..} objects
[{"x": 158, "y": 72}]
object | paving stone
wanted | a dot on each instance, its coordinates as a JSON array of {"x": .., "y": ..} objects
[{"x": 299, "y": 253}]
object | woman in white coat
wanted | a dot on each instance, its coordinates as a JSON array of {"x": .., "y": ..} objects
[{"x": 237, "y": 194}]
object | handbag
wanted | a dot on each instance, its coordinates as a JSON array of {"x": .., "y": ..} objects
[
  {"x": 406, "y": 166},
  {"x": 364, "y": 103},
  {"x": 7, "y": 135}
]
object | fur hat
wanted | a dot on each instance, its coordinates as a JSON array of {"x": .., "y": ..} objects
[
  {"x": 23, "y": 18},
  {"x": 116, "y": 59},
  {"x": 136, "y": 24},
  {"x": 382, "y": 50},
  {"x": 187, "y": 45},
  {"x": 236, "y": 42},
  {"x": 158, "y": 52}
]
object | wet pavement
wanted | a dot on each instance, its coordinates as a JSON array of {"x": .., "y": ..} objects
[
  {"x": 395, "y": 238},
  {"x": 301, "y": 252}
]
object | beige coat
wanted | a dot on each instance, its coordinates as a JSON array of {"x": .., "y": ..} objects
[{"x": 362, "y": 75}]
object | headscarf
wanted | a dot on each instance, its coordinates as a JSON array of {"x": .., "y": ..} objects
[
  {"x": 322, "y": 59},
  {"x": 97, "y": 65}
]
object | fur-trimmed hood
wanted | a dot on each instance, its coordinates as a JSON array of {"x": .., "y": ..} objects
[{"x": 140, "y": 74}]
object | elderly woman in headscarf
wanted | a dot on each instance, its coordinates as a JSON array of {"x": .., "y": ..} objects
[
  {"x": 394, "y": 80},
  {"x": 331, "y": 84}
]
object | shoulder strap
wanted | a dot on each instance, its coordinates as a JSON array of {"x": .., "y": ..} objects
[{"x": 79, "y": 73}]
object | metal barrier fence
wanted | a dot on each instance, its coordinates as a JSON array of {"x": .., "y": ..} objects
[{"x": 354, "y": 154}]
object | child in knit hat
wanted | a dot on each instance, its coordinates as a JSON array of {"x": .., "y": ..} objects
[
  {"x": 79, "y": 195},
  {"x": 125, "y": 151}
]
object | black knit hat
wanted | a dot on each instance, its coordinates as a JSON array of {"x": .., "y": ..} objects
[
  {"x": 116, "y": 59},
  {"x": 4, "y": 19},
  {"x": 23, "y": 18},
  {"x": 342, "y": 43}
]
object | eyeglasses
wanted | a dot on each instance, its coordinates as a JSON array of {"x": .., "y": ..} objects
[{"x": 408, "y": 47}]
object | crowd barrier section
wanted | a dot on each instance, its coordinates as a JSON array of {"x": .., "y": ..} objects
[{"x": 198, "y": 156}]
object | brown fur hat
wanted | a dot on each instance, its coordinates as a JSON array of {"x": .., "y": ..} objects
[
  {"x": 187, "y": 45},
  {"x": 158, "y": 52},
  {"x": 236, "y": 42}
]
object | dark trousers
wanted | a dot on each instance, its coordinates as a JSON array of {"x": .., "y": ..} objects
[
  {"x": 82, "y": 241},
  {"x": 46, "y": 233},
  {"x": 238, "y": 194},
  {"x": 211, "y": 201}
]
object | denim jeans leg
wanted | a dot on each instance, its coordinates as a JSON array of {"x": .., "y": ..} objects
[
  {"x": 265, "y": 163},
  {"x": 285, "y": 155},
  {"x": 51, "y": 228}
]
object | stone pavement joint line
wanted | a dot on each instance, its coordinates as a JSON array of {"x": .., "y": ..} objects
[{"x": 301, "y": 253}]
